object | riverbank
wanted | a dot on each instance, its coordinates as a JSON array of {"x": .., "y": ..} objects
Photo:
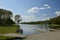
[
  {"x": 8, "y": 29},
  {"x": 45, "y": 36}
]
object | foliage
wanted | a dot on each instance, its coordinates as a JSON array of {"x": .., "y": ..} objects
[
  {"x": 54, "y": 26},
  {"x": 55, "y": 20},
  {"x": 37, "y": 22},
  {"x": 9, "y": 21},
  {"x": 6, "y": 22},
  {"x": 4, "y": 11},
  {"x": 5, "y": 17},
  {"x": 18, "y": 18}
]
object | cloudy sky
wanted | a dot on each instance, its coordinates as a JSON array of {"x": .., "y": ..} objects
[{"x": 32, "y": 10}]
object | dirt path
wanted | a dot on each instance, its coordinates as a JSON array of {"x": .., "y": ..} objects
[{"x": 45, "y": 36}]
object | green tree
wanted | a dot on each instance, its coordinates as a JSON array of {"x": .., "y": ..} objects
[
  {"x": 4, "y": 16},
  {"x": 18, "y": 19},
  {"x": 55, "y": 20}
]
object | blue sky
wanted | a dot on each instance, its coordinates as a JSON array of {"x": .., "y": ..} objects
[{"x": 32, "y": 10}]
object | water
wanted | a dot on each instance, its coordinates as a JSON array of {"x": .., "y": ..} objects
[{"x": 32, "y": 29}]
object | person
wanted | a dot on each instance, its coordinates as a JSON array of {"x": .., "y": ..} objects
[{"x": 21, "y": 30}]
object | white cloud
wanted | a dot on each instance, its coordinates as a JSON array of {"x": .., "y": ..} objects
[
  {"x": 42, "y": 8},
  {"x": 46, "y": 5},
  {"x": 28, "y": 18},
  {"x": 57, "y": 13},
  {"x": 33, "y": 10},
  {"x": 45, "y": 18},
  {"x": 37, "y": 9},
  {"x": 44, "y": 14},
  {"x": 33, "y": 18}
]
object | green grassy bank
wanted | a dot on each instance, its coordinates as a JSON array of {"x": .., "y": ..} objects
[
  {"x": 3, "y": 37},
  {"x": 8, "y": 29}
]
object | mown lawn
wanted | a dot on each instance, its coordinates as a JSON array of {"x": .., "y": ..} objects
[{"x": 8, "y": 29}]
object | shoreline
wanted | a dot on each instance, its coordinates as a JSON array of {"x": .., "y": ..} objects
[{"x": 45, "y": 36}]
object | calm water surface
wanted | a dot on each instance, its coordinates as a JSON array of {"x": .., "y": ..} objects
[{"x": 33, "y": 29}]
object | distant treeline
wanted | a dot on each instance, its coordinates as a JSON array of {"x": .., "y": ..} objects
[
  {"x": 55, "y": 20},
  {"x": 37, "y": 22}
]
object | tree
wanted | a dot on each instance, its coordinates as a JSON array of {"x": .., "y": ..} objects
[
  {"x": 5, "y": 17},
  {"x": 18, "y": 19},
  {"x": 9, "y": 21},
  {"x": 4, "y": 14},
  {"x": 55, "y": 20}
]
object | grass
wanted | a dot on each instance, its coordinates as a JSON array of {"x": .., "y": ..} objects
[
  {"x": 8, "y": 29},
  {"x": 4, "y": 37}
]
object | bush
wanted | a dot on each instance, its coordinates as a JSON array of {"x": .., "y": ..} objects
[{"x": 54, "y": 26}]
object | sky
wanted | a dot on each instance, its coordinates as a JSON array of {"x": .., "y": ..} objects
[{"x": 32, "y": 10}]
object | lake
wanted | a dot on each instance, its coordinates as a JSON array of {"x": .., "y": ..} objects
[{"x": 33, "y": 29}]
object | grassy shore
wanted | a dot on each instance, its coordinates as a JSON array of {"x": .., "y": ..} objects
[
  {"x": 7, "y": 29},
  {"x": 4, "y": 37}
]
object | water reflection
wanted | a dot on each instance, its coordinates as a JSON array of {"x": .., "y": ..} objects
[{"x": 32, "y": 29}]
